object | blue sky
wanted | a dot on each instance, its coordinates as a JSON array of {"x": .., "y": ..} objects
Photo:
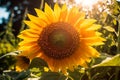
[{"x": 3, "y": 14}]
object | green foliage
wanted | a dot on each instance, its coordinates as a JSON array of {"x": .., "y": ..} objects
[
  {"x": 8, "y": 43},
  {"x": 38, "y": 63},
  {"x": 108, "y": 18},
  {"x": 52, "y": 76},
  {"x": 114, "y": 61},
  {"x": 109, "y": 28},
  {"x": 12, "y": 75}
]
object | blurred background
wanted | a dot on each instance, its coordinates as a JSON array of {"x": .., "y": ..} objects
[
  {"x": 16, "y": 9},
  {"x": 12, "y": 14}
]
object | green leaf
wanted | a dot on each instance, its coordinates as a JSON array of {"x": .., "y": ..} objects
[
  {"x": 22, "y": 75},
  {"x": 11, "y": 53},
  {"x": 3, "y": 77},
  {"x": 114, "y": 22},
  {"x": 76, "y": 74},
  {"x": 38, "y": 63},
  {"x": 114, "y": 61},
  {"x": 109, "y": 28},
  {"x": 2, "y": 33},
  {"x": 11, "y": 74},
  {"x": 52, "y": 76}
]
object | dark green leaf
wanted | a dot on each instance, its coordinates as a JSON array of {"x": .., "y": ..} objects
[
  {"x": 52, "y": 76},
  {"x": 22, "y": 75},
  {"x": 37, "y": 63}
]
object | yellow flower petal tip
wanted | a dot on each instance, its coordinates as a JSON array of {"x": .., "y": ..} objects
[{"x": 61, "y": 37}]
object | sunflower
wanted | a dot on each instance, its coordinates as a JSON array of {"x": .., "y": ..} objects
[
  {"x": 62, "y": 37},
  {"x": 22, "y": 63}
]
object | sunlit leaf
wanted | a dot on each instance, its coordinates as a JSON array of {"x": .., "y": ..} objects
[
  {"x": 114, "y": 21},
  {"x": 114, "y": 61},
  {"x": 11, "y": 53},
  {"x": 109, "y": 28}
]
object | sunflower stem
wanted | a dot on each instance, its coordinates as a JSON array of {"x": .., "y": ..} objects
[
  {"x": 118, "y": 48},
  {"x": 41, "y": 5},
  {"x": 116, "y": 73},
  {"x": 89, "y": 73},
  {"x": 70, "y": 77},
  {"x": 24, "y": 17}
]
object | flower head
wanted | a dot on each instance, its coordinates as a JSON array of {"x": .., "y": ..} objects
[
  {"x": 22, "y": 63},
  {"x": 62, "y": 37}
]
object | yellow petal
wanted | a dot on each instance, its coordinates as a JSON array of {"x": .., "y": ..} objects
[
  {"x": 87, "y": 23},
  {"x": 87, "y": 34},
  {"x": 32, "y": 31},
  {"x": 27, "y": 43},
  {"x": 74, "y": 16},
  {"x": 64, "y": 7},
  {"x": 57, "y": 11},
  {"x": 93, "y": 40},
  {"x": 81, "y": 16},
  {"x": 64, "y": 14},
  {"x": 42, "y": 15},
  {"x": 89, "y": 51},
  {"x": 94, "y": 27},
  {"x": 49, "y": 13},
  {"x": 32, "y": 25},
  {"x": 27, "y": 34},
  {"x": 37, "y": 21}
]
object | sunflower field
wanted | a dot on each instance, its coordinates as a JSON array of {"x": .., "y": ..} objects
[{"x": 60, "y": 40}]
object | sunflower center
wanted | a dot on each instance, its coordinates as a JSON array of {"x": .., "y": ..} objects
[{"x": 59, "y": 40}]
